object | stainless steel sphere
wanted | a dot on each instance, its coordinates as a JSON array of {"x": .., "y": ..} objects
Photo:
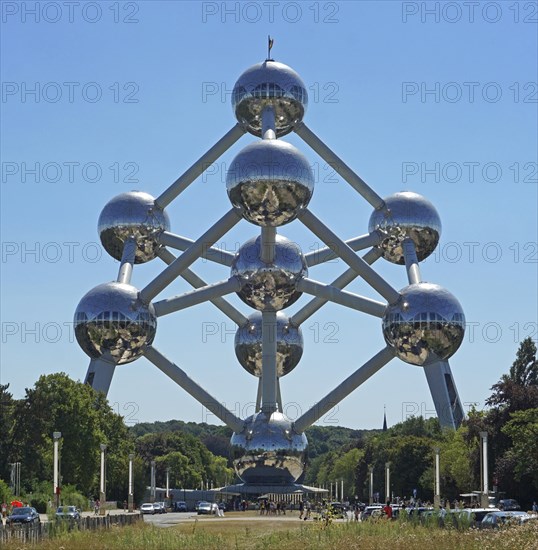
[
  {"x": 407, "y": 214},
  {"x": 269, "y": 84},
  {"x": 248, "y": 344},
  {"x": 132, "y": 214},
  {"x": 269, "y": 286},
  {"x": 271, "y": 181},
  {"x": 268, "y": 451},
  {"x": 110, "y": 322},
  {"x": 426, "y": 325}
]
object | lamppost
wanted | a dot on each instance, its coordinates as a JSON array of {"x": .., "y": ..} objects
[
  {"x": 102, "y": 492},
  {"x": 152, "y": 482},
  {"x": 130, "y": 497},
  {"x": 437, "y": 483},
  {"x": 168, "y": 483},
  {"x": 387, "y": 481},
  {"x": 484, "y": 455},
  {"x": 56, "y": 436},
  {"x": 371, "y": 495}
]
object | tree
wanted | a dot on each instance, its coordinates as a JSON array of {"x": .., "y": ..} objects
[
  {"x": 83, "y": 416},
  {"x": 522, "y": 429}
]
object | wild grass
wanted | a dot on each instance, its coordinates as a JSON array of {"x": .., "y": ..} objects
[{"x": 285, "y": 535}]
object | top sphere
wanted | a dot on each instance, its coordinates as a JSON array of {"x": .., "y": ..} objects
[
  {"x": 410, "y": 215},
  {"x": 269, "y": 84},
  {"x": 135, "y": 215}
]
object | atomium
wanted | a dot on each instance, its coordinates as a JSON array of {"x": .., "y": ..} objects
[
  {"x": 407, "y": 214},
  {"x": 426, "y": 325},
  {"x": 248, "y": 345},
  {"x": 269, "y": 286},
  {"x": 271, "y": 181},
  {"x": 269, "y": 84},
  {"x": 270, "y": 184},
  {"x": 132, "y": 215},
  {"x": 111, "y": 323},
  {"x": 268, "y": 450}
]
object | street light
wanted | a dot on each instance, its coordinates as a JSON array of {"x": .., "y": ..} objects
[
  {"x": 130, "y": 497},
  {"x": 437, "y": 484},
  {"x": 484, "y": 455},
  {"x": 152, "y": 482},
  {"x": 371, "y": 496},
  {"x": 102, "y": 495},
  {"x": 56, "y": 436}
]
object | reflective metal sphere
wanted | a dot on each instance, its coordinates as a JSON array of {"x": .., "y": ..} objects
[
  {"x": 269, "y": 286},
  {"x": 269, "y": 84},
  {"x": 271, "y": 181},
  {"x": 111, "y": 323},
  {"x": 132, "y": 214},
  {"x": 268, "y": 450},
  {"x": 407, "y": 214},
  {"x": 248, "y": 344},
  {"x": 426, "y": 325}
]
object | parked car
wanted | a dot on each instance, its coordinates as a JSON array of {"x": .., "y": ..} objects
[
  {"x": 23, "y": 515},
  {"x": 147, "y": 508},
  {"x": 67, "y": 512},
  {"x": 180, "y": 506},
  {"x": 368, "y": 512},
  {"x": 161, "y": 507},
  {"x": 205, "y": 507},
  {"x": 508, "y": 504},
  {"x": 496, "y": 519}
]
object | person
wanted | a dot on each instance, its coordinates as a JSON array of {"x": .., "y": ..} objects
[
  {"x": 387, "y": 510},
  {"x": 534, "y": 507},
  {"x": 4, "y": 510},
  {"x": 301, "y": 509},
  {"x": 125, "y": 506},
  {"x": 97, "y": 506}
]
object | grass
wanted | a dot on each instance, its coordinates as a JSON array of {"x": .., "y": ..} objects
[{"x": 271, "y": 533}]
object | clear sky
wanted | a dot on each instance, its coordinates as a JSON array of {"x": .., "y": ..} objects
[{"x": 101, "y": 98}]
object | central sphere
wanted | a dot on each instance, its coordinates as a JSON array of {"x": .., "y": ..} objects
[
  {"x": 269, "y": 286},
  {"x": 269, "y": 84},
  {"x": 248, "y": 344},
  {"x": 406, "y": 214},
  {"x": 271, "y": 181},
  {"x": 268, "y": 451},
  {"x": 426, "y": 325},
  {"x": 135, "y": 215},
  {"x": 111, "y": 323}
]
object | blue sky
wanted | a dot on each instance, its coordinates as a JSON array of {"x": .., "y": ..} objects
[{"x": 427, "y": 97}]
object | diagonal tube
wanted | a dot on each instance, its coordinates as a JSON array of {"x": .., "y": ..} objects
[
  {"x": 217, "y": 255},
  {"x": 358, "y": 243},
  {"x": 339, "y": 165},
  {"x": 198, "y": 296},
  {"x": 224, "y": 143},
  {"x": 234, "y": 314},
  {"x": 340, "y": 282},
  {"x": 348, "y": 299},
  {"x": 346, "y": 253},
  {"x": 411, "y": 261},
  {"x": 190, "y": 255},
  {"x": 350, "y": 384},
  {"x": 127, "y": 261},
  {"x": 181, "y": 378}
]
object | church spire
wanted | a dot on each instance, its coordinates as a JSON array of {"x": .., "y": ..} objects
[{"x": 384, "y": 418}]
